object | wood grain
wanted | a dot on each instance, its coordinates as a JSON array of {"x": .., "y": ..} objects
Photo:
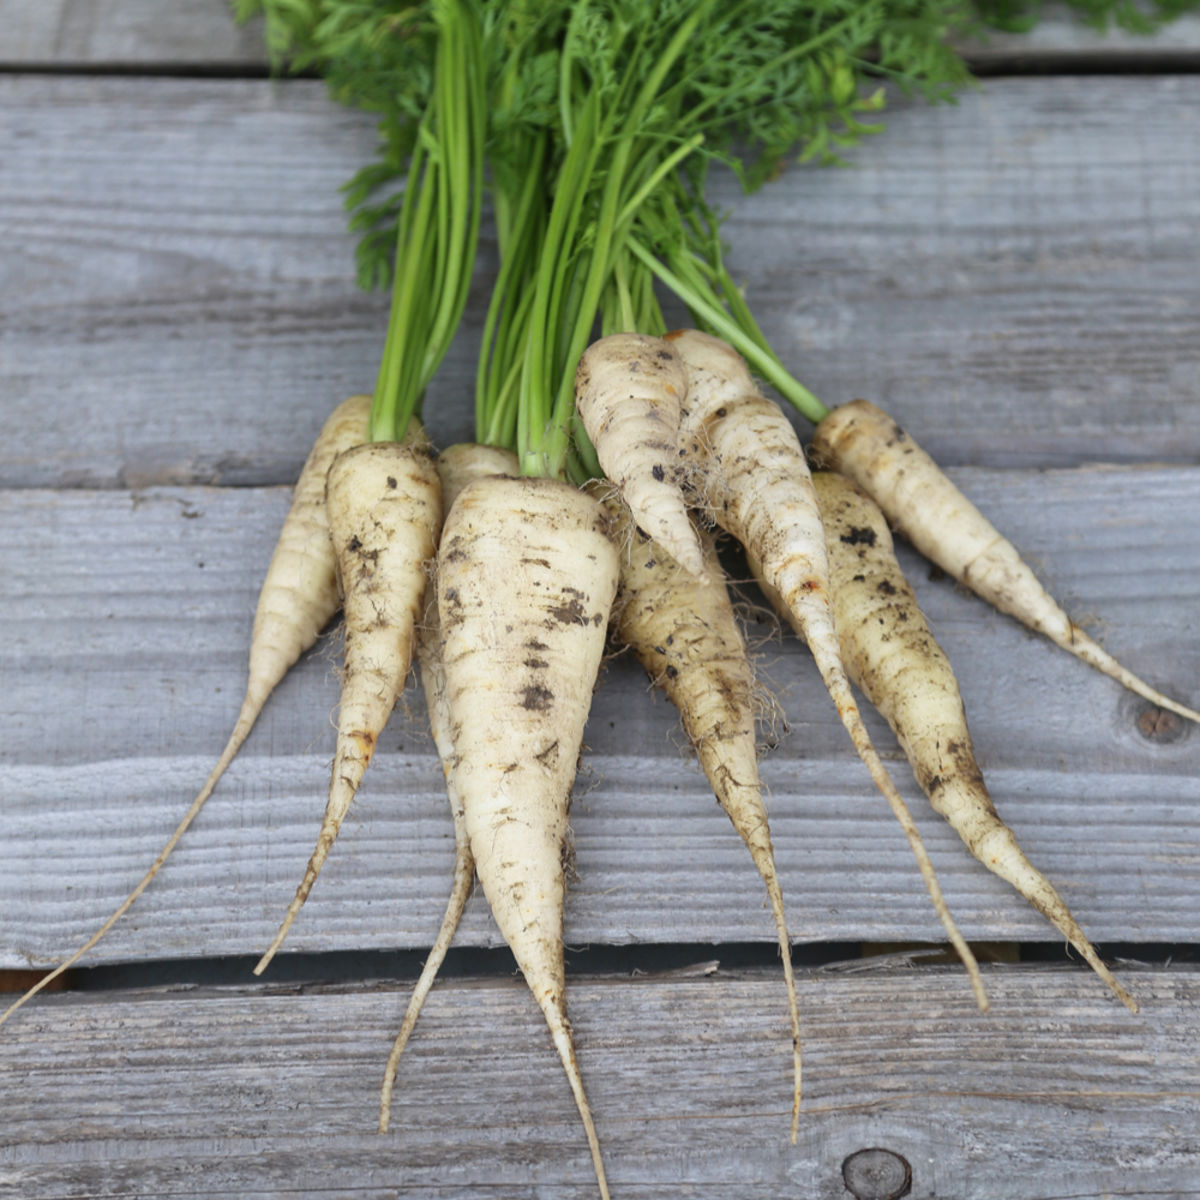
[
  {"x": 109, "y": 728},
  {"x": 128, "y": 33},
  {"x": 1062, "y": 40},
  {"x": 1014, "y": 276},
  {"x": 1058, "y": 1092}
]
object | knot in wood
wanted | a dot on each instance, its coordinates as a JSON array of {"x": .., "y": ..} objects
[
  {"x": 1158, "y": 725},
  {"x": 876, "y": 1174}
]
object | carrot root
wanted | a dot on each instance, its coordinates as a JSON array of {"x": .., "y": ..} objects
[
  {"x": 629, "y": 389},
  {"x": 460, "y": 893},
  {"x": 456, "y": 466},
  {"x": 519, "y": 687},
  {"x": 863, "y": 443},
  {"x": 756, "y": 484},
  {"x": 890, "y": 653},
  {"x": 298, "y": 599},
  {"x": 682, "y": 629},
  {"x": 384, "y": 507}
]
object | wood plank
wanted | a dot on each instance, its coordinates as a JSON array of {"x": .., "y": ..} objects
[
  {"x": 997, "y": 274},
  {"x": 174, "y": 258},
  {"x": 107, "y": 732},
  {"x": 1014, "y": 276},
  {"x": 82, "y": 33},
  {"x": 127, "y": 33},
  {"x": 1057, "y": 1092},
  {"x": 1063, "y": 40}
]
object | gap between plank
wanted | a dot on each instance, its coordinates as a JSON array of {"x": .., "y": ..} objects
[{"x": 591, "y": 961}]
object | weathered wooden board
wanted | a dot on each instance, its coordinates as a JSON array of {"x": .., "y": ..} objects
[
  {"x": 126, "y": 618},
  {"x": 1058, "y": 1092},
  {"x": 1061, "y": 40},
  {"x": 127, "y": 33},
  {"x": 177, "y": 307},
  {"x": 139, "y": 312},
  {"x": 201, "y": 33},
  {"x": 1014, "y": 276}
]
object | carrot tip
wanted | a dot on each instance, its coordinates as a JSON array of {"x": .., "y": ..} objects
[{"x": 265, "y": 961}]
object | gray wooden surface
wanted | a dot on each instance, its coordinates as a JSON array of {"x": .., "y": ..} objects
[
  {"x": 1057, "y": 1092},
  {"x": 114, "y": 730},
  {"x": 1014, "y": 276},
  {"x": 156, "y": 34},
  {"x": 199, "y": 34}
]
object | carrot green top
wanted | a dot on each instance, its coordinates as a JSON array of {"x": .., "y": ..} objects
[{"x": 591, "y": 125}]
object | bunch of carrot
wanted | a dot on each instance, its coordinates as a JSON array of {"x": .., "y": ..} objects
[{"x": 585, "y": 507}]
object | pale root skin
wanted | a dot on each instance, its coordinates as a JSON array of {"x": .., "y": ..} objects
[
  {"x": 863, "y": 443},
  {"x": 456, "y": 467},
  {"x": 892, "y": 656},
  {"x": 629, "y": 391},
  {"x": 754, "y": 482},
  {"x": 527, "y": 572},
  {"x": 384, "y": 506},
  {"x": 299, "y": 597},
  {"x": 684, "y": 632}
]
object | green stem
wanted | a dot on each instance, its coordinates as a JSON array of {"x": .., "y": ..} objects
[
  {"x": 619, "y": 316},
  {"x": 438, "y": 228},
  {"x": 707, "y": 305},
  {"x": 656, "y": 178},
  {"x": 524, "y": 229},
  {"x": 610, "y": 228},
  {"x": 409, "y": 276},
  {"x": 570, "y": 192}
]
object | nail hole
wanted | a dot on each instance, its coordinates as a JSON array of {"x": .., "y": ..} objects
[{"x": 877, "y": 1174}]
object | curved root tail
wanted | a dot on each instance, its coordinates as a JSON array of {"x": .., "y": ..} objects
[
  {"x": 998, "y": 850},
  {"x": 1095, "y": 655},
  {"x": 758, "y": 842},
  {"x": 839, "y": 688},
  {"x": 564, "y": 1043},
  {"x": 464, "y": 877},
  {"x": 349, "y": 766},
  {"x": 251, "y": 707},
  {"x": 785, "y": 948},
  {"x": 325, "y": 840}
]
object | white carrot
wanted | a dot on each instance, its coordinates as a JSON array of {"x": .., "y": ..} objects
[
  {"x": 299, "y": 597},
  {"x": 684, "y": 632},
  {"x": 456, "y": 466},
  {"x": 890, "y": 653},
  {"x": 866, "y": 445},
  {"x": 756, "y": 485},
  {"x": 628, "y": 392},
  {"x": 384, "y": 507},
  {"x": 527, "y": 571}
]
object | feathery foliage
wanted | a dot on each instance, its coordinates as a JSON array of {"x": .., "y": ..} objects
[{"x": 592, "y": 125}]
